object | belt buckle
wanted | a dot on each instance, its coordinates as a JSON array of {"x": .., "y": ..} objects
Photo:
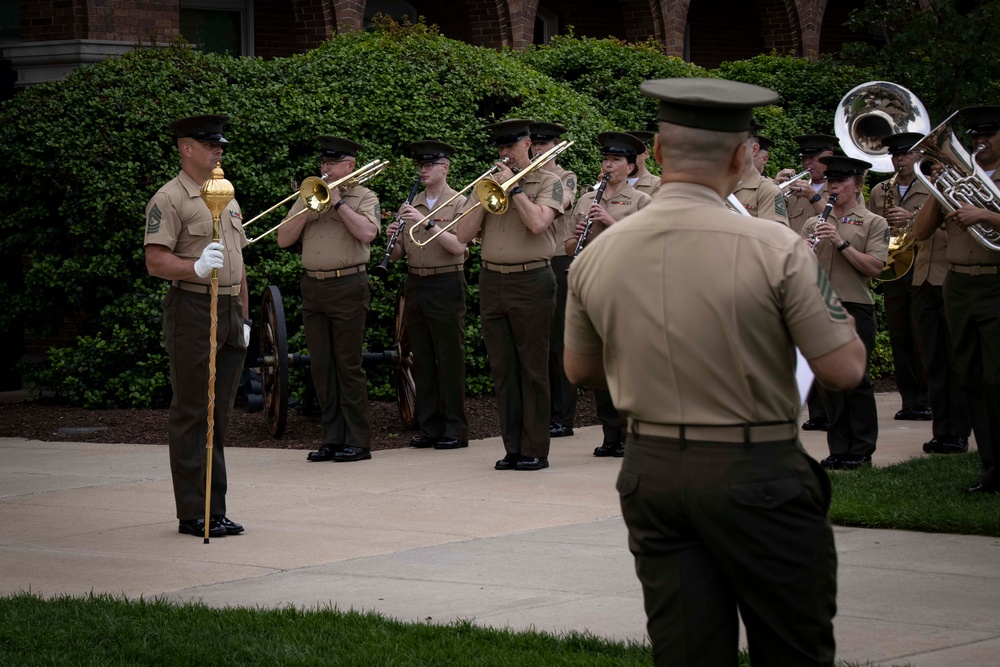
[
  {"x": 504, "y": 269},
  {"x": 975, "y": 270},
  {"x": 422, "y": 272}
]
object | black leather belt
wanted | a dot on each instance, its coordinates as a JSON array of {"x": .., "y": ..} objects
[
  {"x": 336, "y": 273},
  {"x": 424, "y": 271},
  {"x": 989, "y": 270},
  {"x": 515, "y": 268},
  {"x": 736, "y": 433},
  {"x": 198, "y": 288}
]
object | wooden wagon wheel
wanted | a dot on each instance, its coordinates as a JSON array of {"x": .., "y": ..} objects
[
  {"x": 406, "y": 390},
  {"x": 274, "y": 365}
]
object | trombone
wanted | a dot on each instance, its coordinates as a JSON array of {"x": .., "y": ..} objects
[
  {"x": 315, "y": 194},
  {"x": 489, "y": 172},
  {"x": 494, "y": 196}
]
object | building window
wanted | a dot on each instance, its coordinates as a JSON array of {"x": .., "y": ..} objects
[
  {"x": 10, "y": 20},
  {"x": 546, "y": 25},
  {"x": 218, "y": 26},
  {"x": 397, "y": 9}
]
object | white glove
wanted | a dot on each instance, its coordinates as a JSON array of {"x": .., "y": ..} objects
[
  {"x": 246, "y": 335},
  {"x": 211, "y": 258}
]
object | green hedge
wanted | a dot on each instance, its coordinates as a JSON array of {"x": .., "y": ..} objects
[{"x": 78, "y": 182}]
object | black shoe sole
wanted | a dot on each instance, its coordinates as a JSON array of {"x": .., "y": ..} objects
[
  {"x": 212, "y": 532},
  {"x": 353, "y": 458}
]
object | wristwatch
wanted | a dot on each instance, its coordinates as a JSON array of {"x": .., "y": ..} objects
[
  {"x": 338, "y": 204},
  {"x": 516, "y": 191},
  {"x": 844, "y": 246},
  {"x": 815, "y": 198}
]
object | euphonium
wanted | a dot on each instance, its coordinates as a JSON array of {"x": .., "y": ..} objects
[{"x": 961, "y": 180}]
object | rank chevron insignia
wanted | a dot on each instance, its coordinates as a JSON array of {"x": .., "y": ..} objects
[{"x": 832, "y": 301}]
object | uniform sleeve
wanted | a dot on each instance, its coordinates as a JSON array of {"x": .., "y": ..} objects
[
  {"x": 816, "y": 319},
  {"x": 579, "y": 334},
  {"x": 876, "y": 198},
  {"x": 570, "y": 183},
  {"x": 643, "y": 201},
  {"x": 550, "y": 193},
  {"x": 236, "y": 218},
  {"x": 877, "y": 243},
  {"x": 369, "y": 207},
  {"x": 162, "y": 222},
  {"x": 771, "y": 202}
]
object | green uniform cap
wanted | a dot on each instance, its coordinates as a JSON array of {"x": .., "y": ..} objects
[
  {"x": 645, "y": 136},
  {"x": 334, "y": 148},
  {"x": 620, "y": 143},
  {"x": 430, "y": 150},
  {"x": 840, "y": 166},
  {"x": 507, "y": 132},
  {"x": 546, "y": 131},
  {"x": 708, "y": 104},
  {"x": 981, "y": 119},
  {"x": 810, "y": 144},
  {"x": 206, "y": 128},
  {"x": 902, "y": 142},
  {"x": 765, "y": 143}
]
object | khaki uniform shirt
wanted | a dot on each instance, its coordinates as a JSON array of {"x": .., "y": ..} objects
[
  {"x": 178, "y": 218},
  {"x": 562, "y": 224},
  {"x": 868, "y": 233},
  {"x": 434, "y": 253},
  {"x": 761, "y": 197},
  {"x": 625, "y": 203},
  {"x": 799, "y": 209},
  {"x": 697, "y": 311},
  {"x": 505, "y": 238},
  {"x": 327, "y": 243},
  {"x": 930, "y": 264},
  {"x": 647, "y": 183}
]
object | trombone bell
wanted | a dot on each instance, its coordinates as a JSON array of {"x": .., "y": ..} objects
[{"x": 494, "y": 196}]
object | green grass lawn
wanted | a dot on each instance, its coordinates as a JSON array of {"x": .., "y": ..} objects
[{"x": 925, "y": 494}]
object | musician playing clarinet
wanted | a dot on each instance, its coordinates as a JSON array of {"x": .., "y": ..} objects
[
  {"x": 435, "y": 301},
  {"x": 618, "y": 200},
  {"x": 852, "y": 247}
]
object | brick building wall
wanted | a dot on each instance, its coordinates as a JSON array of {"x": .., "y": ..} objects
[{"x": 43, "y": 20}]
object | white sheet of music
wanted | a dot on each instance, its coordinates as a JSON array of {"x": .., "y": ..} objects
[{"x": 803, "y": 376}]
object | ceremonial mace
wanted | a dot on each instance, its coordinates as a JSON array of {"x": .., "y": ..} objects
[{"x": 216, "y": 192}]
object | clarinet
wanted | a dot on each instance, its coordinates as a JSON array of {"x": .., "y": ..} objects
[
  {"x": 382, "y": 270},
  {"x": 813, "y": 238},
  {"x": 588, "y": 223}
]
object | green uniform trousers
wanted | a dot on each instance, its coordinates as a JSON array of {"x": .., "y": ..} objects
[
  {"x": 951, "y": 416},
  {"x": 334, "y": 312},
  {"x": 853, "y": 415},
  {"x": 186, "y": 330},
  {"x": 516, "y": 311},
  {"x": 435, "y": 324},
  {"x": 563, "y": 392},
  {"x": 911, "y": 379},
  {"x": 972, "y": 304},
  {"x": 716, "y": 527}
]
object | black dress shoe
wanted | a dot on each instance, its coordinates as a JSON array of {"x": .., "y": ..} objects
[
  {"x": 450, "y": 443},
  {"x": 559, "y": 430},
  {"x": 854, "y": 461},
  {"x": 832, "y": 462},
  {"x": 197, "y": 527},
  {"x": 946, "y": 444},
  {"x": 531, "y": 463},
  {"x": 619, "y": 450},
  {"x": 921, "y": 413},
  {"x": 606, "y": 449},
  {"x": 232, "y": 528},
  {"x": 508, "y": 462},
  {"x": 814, "y": 425},
  {"x": 423, "y": 441},
  {"x": 325, "y": 453},
  {"x": 979, "y": 487},
  {"x": 933, "y": 446},
  {"x": 352, "y": 453}
]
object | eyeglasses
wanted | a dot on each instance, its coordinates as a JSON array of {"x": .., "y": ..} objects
[{"x": 428, "y": 165}]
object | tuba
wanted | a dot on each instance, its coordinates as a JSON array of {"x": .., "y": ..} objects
[
  {"x": 869, "y": 113},
  {"x": 961, "y": 180}
]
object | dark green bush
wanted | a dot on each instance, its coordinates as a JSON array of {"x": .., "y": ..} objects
[{"x": 73, "y": 201}]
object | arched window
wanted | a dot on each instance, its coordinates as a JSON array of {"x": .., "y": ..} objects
[
  {"x": 546, "y": 25},
  {"x": 397, "y": 9}
]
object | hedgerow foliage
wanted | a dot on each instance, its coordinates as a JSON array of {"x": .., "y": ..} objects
[{"x": 83, "y": 156}]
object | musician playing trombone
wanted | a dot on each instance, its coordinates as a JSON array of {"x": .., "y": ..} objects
[
  {"x": 518, "y": 295},
  {"x": 435, "y": 300},
  {"x": 852, "y": 248},
  {"x": 972, "y": 293},
  {"x": 335, "y": 298},
  {"x": 621, "y": 153}
]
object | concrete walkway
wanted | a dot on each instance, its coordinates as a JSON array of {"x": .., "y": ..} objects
[{"x": 435, "y": 536}]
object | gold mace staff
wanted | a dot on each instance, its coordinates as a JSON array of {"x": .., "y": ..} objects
[{"x": 216, "y": 192}]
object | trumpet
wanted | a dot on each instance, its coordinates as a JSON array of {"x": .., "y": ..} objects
[
  {"x": 315, "y": 194},
  {"x": 430, "y": 221},
  {"x": 784, "y": 186},
  {"x": 494, "y": 196},
  {"x": 382, "y": 270},
  {"x": 814, "y": 239}
]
